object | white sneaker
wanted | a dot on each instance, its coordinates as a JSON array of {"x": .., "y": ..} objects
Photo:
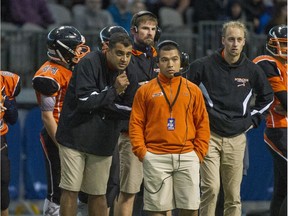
[{"x": 50, "y": 208}]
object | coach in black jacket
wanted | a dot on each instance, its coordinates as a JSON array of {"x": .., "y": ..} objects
[
  {"x": 228, "y": 80},
  {"x": 99, "y": 95}
]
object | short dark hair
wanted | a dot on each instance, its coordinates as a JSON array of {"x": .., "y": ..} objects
[
  {"x": 120, "y": 37},
  {"x": 168, "y": 45}
]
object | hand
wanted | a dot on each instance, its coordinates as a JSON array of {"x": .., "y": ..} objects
[
  {"x": 121, "y": 83},
  {"x": 9, "y": 101},
  {"x": 2, "y": 107}
]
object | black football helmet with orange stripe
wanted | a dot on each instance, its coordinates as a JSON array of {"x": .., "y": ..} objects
[
  {"x": 277, "y": 41},
  {"x": 66, "y": 44},
  {"x": 105, "y": 34}
]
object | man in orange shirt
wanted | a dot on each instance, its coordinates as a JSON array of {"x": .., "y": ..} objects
[
  {"x": 169, "y": 132},
  {"x": 275, "y": 135}
]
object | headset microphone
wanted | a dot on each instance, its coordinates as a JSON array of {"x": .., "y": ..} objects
[
  {"x": 177, "y": 74},
  {"x": 180, "y": 73}
]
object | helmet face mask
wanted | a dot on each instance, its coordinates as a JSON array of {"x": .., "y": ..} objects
[
  {"x": 66, "y": 44},
  {"x": 277, "y": 41},
  {"x": 80, "y": 51}
]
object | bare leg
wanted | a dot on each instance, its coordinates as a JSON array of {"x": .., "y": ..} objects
[
  {"x": 68, "y": 203},
  {"x": 151, "y": 213},
  {"x": 97, "y": 205},
  {"x": 124, "y": 204},
  {"x": 185, "y": 212},
  {"x": 4, "y": 212}
]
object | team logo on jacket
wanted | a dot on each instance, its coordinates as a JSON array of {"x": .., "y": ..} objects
[
  {"x": 157, "y": 94},
  {"x": 241, "y": 81}
]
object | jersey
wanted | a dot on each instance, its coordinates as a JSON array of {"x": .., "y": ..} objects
[
  {"x": 276, "y": 73},
  {"x": 52, "y": 80},
  {"x": 9, "y": 83},
  {"x": 10, "y": 87}
]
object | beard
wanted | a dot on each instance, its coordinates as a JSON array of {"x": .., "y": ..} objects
[{"x": 148, "y": 42}]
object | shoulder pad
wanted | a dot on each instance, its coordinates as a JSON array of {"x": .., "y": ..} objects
[{"x": 44, "y": 85}]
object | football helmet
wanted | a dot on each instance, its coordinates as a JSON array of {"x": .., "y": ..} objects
[
  {"x": 277, "y": 41},
  {"x": 105, "y": 34},
  {"x": 66, "y": 44}
]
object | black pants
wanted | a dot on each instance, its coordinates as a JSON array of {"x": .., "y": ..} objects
[
  {"x": 53, "y": 167},
  {"x": 5, "y": 174},
  {"x": 278, "y": 136}
]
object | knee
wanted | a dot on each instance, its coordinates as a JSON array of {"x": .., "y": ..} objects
[
  {"x": 212, "y": 189},
  {"x": 99, "y": 200},
  {"x": 71, "y": 195},
  {"x": 126, "y": 197}
]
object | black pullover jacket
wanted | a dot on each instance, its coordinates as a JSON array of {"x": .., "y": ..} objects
[
  {"x": 228, "y": 90},
  {"x": 92, "y": 109}
]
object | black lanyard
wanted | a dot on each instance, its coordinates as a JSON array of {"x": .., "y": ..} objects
[{"x": 166, "y": 98}]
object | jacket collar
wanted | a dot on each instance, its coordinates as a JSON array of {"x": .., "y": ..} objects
[
  {"x": 219, "y": 57},
  {"x": 148, "y": 51},
  {"x": 164, "y": 79}
]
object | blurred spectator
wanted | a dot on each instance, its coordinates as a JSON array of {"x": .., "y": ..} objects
[
  {"x": 254, "y": 9},
  {"x": 70, "y": 3},
  {"x": 181, "y": 6},
  {"x": 121, "y": 13},
  {"x": 91, "y": 17},
  {"x": 265, "y": 17},
  {"x": 208, "y": 10},
  {"x": 30, "y": 12},
  {"x": 137, "y": 5},
  {"x": 235, "y": 11},
  {"x": 279, "y": 16}
]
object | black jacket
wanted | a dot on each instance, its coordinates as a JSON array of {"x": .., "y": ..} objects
[
  {"x": 144, "y": 59},
  {"x": 228, "y": 90},
  {"x": 92, "y": 109}
]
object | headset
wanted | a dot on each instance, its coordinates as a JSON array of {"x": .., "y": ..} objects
[
  {"x": 134, "y": 22},
  {"x": 184, "y": 56}
]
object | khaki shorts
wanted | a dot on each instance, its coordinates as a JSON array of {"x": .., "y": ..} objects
[
  {"x": 168, "y": 184},
  {"x": 86, "y": 172},
  {"x": 131, "y": 169}
]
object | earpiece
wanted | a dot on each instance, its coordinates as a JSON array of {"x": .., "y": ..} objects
[
  {"x": 135, "y": 28},
  {"x": 184, "y": 60},
  {"x": 134, "y": 23}
]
